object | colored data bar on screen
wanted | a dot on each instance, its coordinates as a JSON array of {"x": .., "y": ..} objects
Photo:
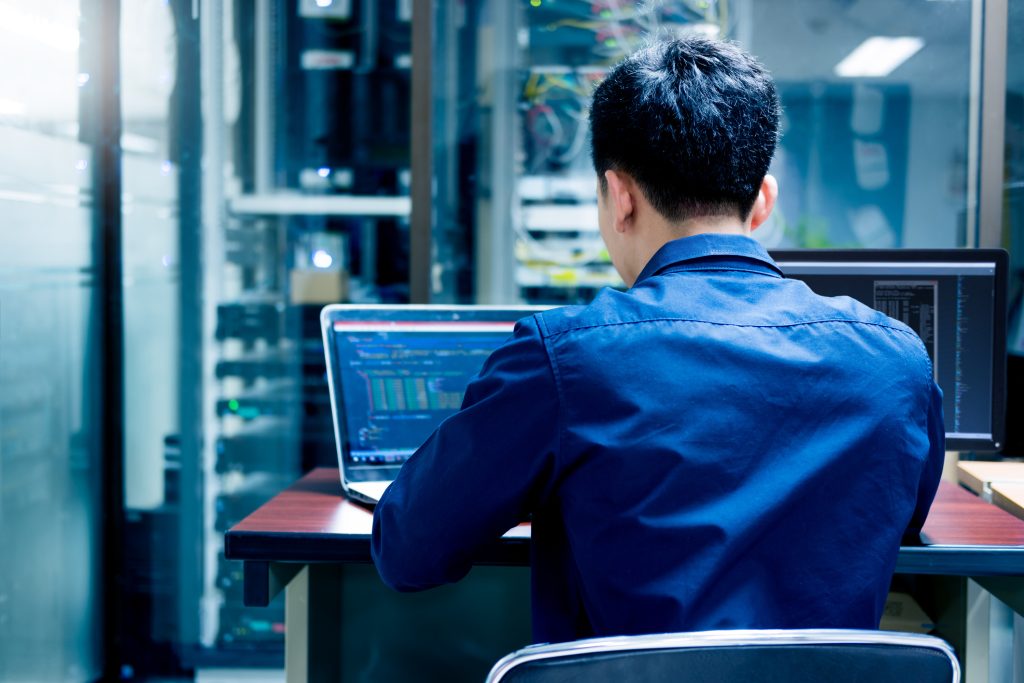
[
  {"x": 433, "y": 326},
  {"x": 886, "y": 268}
]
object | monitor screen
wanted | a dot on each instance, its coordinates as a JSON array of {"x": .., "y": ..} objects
[
  {"x": 400, "y": 380},
  {"x": 953, "y": 299}
]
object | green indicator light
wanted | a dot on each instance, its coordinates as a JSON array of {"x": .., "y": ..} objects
[
  {"x": 611, "y": 42},
  {"x": 233, "y": 405},
  {"x": 535, "y": 3}
]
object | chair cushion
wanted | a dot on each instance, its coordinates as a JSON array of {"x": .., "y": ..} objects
[{"x": 829, "y": 663}]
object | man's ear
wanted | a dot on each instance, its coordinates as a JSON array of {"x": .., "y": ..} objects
[
  {"x": 765, "y": 202},
  {"x": 620, "y": 188}
]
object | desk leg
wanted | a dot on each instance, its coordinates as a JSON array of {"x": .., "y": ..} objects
[
  {"x": 1008, "y": 589},
  {"x": 312, "y": 651},
  {"x": 1018, "y": 648},
  {"x": 990, "y": 636},
  {"x": 1008, "y": 622},
  {"x": 979, "y": 610}
]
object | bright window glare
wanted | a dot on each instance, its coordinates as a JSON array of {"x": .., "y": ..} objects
[
  {"x": 878, "y": 56},
  {"x": 12, "y": 107},
  {"x": 38, "y": 28}
]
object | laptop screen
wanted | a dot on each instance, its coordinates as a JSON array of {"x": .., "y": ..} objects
[
  {"x": 953, "y": 299},
  {"x": 400, "y": 380},
  {"x": 395, "y": 381}
]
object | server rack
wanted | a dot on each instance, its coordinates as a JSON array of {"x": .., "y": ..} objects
[
  {"x": 513, "y": 82},
  {"x": 314, "y": 210}
]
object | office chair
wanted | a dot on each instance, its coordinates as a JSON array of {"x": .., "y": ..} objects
[{"x": 809, "y": 655}]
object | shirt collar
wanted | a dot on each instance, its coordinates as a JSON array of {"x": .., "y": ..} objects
[{"x": 728, "y": 251}]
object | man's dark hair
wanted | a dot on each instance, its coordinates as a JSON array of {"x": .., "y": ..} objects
[{"x": 694, "y": 121}]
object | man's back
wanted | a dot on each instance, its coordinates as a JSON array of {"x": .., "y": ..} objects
[
  {"x": 718, "y": 447},
  {"x": 715, "y": 447},
  {"x": 738, "y": 452}
]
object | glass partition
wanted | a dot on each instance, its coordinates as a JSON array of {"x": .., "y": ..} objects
[
  {"x": 874, "y": 151},
  {"x": 153, "y": 135},
  {"x": 50, "y": 621},
  {"x": 1014, "y": 164},
  {"x": 150, "y": 235},
  {"x": 1013, "y": 222}
]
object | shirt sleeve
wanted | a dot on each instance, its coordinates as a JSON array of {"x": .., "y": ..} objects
[
  {"x": 932, "y": 468},
  {"x": 479, "y": 474}
]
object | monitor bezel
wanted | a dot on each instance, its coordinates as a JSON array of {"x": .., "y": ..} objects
[{"x": 963, "y": 255}]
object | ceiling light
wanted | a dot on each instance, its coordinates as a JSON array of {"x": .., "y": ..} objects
[
  {"x": 878, "y": 56},
  {"x": 321, "y": 259}
]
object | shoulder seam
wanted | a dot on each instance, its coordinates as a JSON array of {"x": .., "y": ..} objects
[
  {"x": 720, "y": 269},
  {"x": 721, "y": 324}
]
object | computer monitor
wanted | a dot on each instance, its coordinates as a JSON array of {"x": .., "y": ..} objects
[{"x": 955, "y": 299}]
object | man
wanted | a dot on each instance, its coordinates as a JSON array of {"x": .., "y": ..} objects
[{"x": 716, "y": 447}]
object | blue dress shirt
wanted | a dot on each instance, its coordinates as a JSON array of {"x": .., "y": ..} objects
[{"x": 717, "y": 447}]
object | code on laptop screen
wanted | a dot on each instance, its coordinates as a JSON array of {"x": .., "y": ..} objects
[{"x": 399, "y": 381}]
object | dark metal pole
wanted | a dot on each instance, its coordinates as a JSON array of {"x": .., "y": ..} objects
[
  {"x": 186, "y": 152},
  {"x": 101, "y": 126},
  {"x": 422, "y": 166}
]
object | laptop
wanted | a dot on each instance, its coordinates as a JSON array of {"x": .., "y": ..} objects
[
  {"x": 955, "y": 299},
  {"x": 395, "y": 373}
]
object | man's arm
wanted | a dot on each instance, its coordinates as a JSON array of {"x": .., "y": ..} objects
[
  {"x": 482, "y": 471},
  {"x": 932, "y": 471}
]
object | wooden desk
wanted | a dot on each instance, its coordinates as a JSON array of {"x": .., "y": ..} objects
[
  {"x": 311, "y": 525},
  {"x": 311, "y": 521},
  {"x": 979, "y": 475},
  {"x": 1009, "y": 496}
]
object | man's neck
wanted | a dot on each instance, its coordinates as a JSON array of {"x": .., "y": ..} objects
[
  {"x": 660, "y": 232},
  {"x": 719, "y": 225}
]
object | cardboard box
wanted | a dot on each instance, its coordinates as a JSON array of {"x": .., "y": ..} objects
[{"x": 309, "y": 286}]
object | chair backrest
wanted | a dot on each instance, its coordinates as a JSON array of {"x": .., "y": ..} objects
[{"x": 833, "y": 655}]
